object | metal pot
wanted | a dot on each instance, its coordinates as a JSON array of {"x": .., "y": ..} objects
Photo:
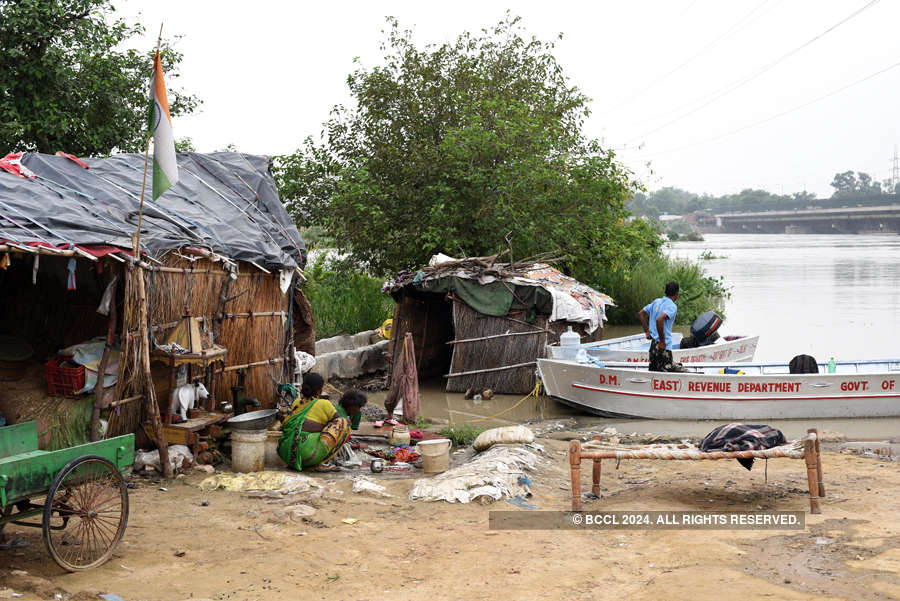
[{"x": 254, "y": 420}]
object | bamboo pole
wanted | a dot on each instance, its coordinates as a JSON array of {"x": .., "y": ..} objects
[
  {"x": 481, "y": 371},
  {"x": 273, "y": 361},
  {"x": 126, "y": 400},
  {"x": 49, "y": 251},
  {"x": 498, "y": 336},
  {"x": 149, "y": 388},
  {"x": 104, "y": 361}
]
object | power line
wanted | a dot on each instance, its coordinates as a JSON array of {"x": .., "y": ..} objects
[
  {"x": 773, "y": 117},
  {"x": 731, "y": 30},
  {"x": 747, "y": 79}
]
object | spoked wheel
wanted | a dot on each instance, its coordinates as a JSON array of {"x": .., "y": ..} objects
[{"x": 85, "y": 513}]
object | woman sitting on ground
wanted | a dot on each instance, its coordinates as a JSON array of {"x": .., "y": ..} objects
[{"x": 314, "y": 431}]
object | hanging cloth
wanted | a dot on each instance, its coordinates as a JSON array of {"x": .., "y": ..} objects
[
  {"x": 405, "y": 383},
  {"x": 70, "y": 267}
]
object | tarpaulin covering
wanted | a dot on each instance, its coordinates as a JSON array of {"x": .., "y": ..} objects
[
  {"x": 494, "y": 298},
  {"x": 225, "y": 202},
  {"x": 496, "y": 290}
]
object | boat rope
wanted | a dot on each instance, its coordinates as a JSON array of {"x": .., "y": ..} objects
[{"x": 536, "y": 393}]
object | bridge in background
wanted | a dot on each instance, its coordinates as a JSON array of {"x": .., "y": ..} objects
[{"x": 841, "y": 220}]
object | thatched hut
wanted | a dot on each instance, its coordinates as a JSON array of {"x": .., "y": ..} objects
[
  {"x": 483, "y": 324},
  {"x": 218, "y": 246}
]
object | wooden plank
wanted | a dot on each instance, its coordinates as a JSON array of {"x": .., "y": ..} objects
[
  {"x": 171, "y": 435},
  {"x": 481, "y": 371},
  {"x": 498, "y": 336},
  {"x": 31, "y": 475},
  {"x": 18, "y": 438}
]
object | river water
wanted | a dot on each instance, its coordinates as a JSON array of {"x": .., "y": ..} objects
[{"x": 825, "y": 296}]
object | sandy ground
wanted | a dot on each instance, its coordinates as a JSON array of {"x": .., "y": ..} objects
[{"x": 240, "y": 548}]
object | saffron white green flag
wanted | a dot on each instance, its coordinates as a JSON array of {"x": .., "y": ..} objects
[{"x": 165, "y": 169}]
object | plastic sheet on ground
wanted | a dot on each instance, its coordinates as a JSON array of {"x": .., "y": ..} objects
[
  {"x": 284, "y": 483},
  {"x": 364, "y": 484},
  {"x": 347, "y": 457},
  {"x": 496, "y": 473},
  {"x": 503, "y": 435}
]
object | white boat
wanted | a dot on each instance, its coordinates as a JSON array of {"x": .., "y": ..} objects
[
  {"x": 636, "y": 349},
  {"x": 762, "y": 391}
]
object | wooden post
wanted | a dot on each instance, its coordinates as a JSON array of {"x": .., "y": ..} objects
[
  {"x": 173, "y": 385},
  {"x": 575, "y": 464},
  {"x": 150, "y": 390},
  {"x": 595, "y": 488},
  {"x": 101, "y": 369},
  {"x": 818, "y": 462},
  {"x": 809, "y": 454}
]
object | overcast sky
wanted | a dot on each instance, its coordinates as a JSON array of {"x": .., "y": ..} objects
[{"x": 670, "y": 80}]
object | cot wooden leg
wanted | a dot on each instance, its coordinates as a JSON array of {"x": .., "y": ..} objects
[
  {"x": 575, "y": 464},
  {"x": 819, "y": 463},
  {"x": 596, "y": 473},
  {"x": 809, "y": 453}
]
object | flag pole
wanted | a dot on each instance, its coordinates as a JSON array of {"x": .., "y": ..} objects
[
  {"x": 149, "y": 387},
  {"x": 137, "y": 249}
]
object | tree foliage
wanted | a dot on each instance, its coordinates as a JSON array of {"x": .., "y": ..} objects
[
  {"x": 67, "y": 84},
  {"x": 853, "y": 185},
  {"x": 454, "y": 148},
  {"x": 849, "y": 187}
]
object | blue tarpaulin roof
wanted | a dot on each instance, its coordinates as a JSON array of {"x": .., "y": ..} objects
[{"x": 226, "y": 202}]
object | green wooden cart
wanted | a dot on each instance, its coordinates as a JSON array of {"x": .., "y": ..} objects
[{"x": 84, "y": 509}]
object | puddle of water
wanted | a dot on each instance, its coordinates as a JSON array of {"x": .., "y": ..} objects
[
  {"x": 436, "y": 403},
  {"x": 452, "y": 406}
]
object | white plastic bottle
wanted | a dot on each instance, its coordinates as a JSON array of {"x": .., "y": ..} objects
[{"x": 569, "y": 342}]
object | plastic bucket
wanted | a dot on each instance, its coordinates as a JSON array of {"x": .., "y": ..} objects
[
  {"x": 435, "y": 455},
  {"x": 273, "y": 459},
  {"x": 248, "y": 450}
]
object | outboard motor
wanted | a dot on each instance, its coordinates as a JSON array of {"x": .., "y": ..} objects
[{"x": 704, "y": 331}]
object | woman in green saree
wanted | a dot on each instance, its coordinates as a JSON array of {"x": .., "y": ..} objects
[{"x": 314, "y": 431}]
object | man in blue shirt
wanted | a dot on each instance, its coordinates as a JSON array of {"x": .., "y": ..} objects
[{"x": 657, "y": 319}]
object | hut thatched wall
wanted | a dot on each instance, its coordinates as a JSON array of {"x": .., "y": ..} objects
[
  {"x": 205, "y": 290},
  {"x": 497, "y": 344},
  {"x": 437, "y": 320}
]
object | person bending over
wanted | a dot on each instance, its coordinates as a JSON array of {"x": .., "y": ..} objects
[{"x": 657, "y": 319}]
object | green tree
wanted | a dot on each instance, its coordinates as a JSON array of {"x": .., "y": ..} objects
[
  {"x": 67, "y": 84},
  {"x": 452, "y": 148}
]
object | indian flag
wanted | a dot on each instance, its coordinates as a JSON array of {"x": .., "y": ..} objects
[{"x": 165, "y": 169}]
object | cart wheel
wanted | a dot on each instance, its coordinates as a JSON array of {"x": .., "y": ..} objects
[{"x": 85, "y": 513}]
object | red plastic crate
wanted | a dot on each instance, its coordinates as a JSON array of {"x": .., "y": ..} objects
[{"x": 63, "y": 381}]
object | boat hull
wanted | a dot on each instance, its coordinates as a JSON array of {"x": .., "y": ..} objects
[
  {"x": 628, "y": 391},
  {"x": 632, "y": 349}
]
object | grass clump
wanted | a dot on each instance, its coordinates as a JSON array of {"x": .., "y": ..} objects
[
  {"x": 647, "y": 281},
  {"x": 343, "y": 300},
  {"x": 462, "y": 435}
]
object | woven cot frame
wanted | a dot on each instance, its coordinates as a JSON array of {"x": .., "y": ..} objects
[{"x": 807, "y": 449}]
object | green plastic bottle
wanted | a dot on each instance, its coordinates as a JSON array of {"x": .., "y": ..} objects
[{"x": 831, "y": 366}]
